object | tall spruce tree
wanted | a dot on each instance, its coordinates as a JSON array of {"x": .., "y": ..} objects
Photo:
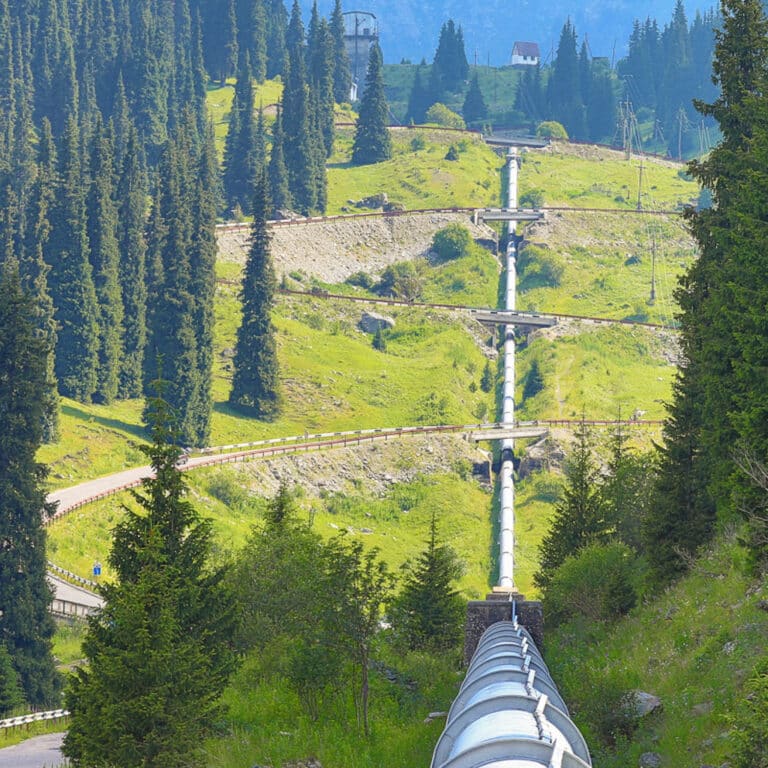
[
  {"x": 71, "y": 277},
  {"x": 564, "y": 88},
  {"x": 372, "y": 142},
  {"x": 255, "y": 382},
  {"x": 579, "y": 517},
  {"x": 132, "y": 202},
  {"x": 280, "y": 193},
  {"x": 429, "y": 611},
  {"x": 105, "y": 257},
  {"x": 342, "y": 75},
  {"x": 26, "y": 625},
  {"x": 719, "y": 398},
  {"x": 277, "y": 23},
  {"x": 158, "y": 652},
  {"x": 418, "y": 100},
  {"x": 475, "y": 109}
]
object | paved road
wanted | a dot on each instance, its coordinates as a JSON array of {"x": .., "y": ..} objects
[
  {"x": 39, "y": 752},
  {"x": 72, "y": 594}
]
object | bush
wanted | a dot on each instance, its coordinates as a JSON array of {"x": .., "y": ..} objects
[
  {"x": 539, "y": 268},
  {"x": 750, "y": 724},
  {"x": 551, "y": 129},
  {"x": 361, "y": 280},
  {"x": 379, "y": 342},
  {"x": 418, "y": 142},
  {"x": 533, "y": 198},
  {"x": 439, "y": 114},
  {"x": 452, "y": 154},
  {"x": 403, "y": 280},
  {"x": 597, "y": 583},
  {"x": 451, "y": 242}
]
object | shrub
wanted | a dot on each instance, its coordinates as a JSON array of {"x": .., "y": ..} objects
[
  {"x": 533, "y": 198},
  {"x": 403, "y": 280},
  {"x": 451, "y": 242},
  {"x": 379, "y": 342},
  {"x": 418, "y": 142},
  {"x": 361, "y": 280},
  {"x": 539, "y": 267},
  {"x": 486, "y": 382},
  {"x": 452, "y": 154},
  {"x": 551, "y": 129},
  {"x": 597, "y": 583},
  {"x": 750, "y": 724},
  {"x": 439, "y": 114}
]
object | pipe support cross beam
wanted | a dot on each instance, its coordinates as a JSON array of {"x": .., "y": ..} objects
[
  {"x": 512, "y": 317},
  {"x": 509, "y": 433},
  {"x": 507, "y": 214}
]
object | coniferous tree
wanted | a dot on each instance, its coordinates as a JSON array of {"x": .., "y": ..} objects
[
  {"x": 35, "y": 271},
  {"x": 242, "y": 153},
  {"x": 429, "y": 610},
  {"x": 372, "y": 142},
  {"x": 277, "y": 23},
  {"x": 449, "y": 67},
  {"x": 255, "y": 382},
  {"x": 252, "y": 35},
  {"x": 321, "y": 79},
  {"x": 158, "y": 652},
  {"x": 419, "y": 100},
  {"x": 342, "y": 75},
  {"x": 300, "y": 127},
  {"x": 564, "y": 92},
  {"x": 131, "y": 196},
  {"x": 475, "y": 109},
  {"x": 71, "y": 277},
  {"x": 26, "y": 625},
  {"x": 579, "y": 513},
  {"x": 720, "y": 392},
  {"x": 280, "y": 194},
  {"x": 102, "y": 240}
]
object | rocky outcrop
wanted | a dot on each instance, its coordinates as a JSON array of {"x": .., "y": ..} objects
[{"x": 371, "y": 322}]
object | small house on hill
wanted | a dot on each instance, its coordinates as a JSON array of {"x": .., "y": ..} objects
[{"x": 525, "y": 54}]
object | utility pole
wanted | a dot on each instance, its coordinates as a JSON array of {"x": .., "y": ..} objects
[
  {"x": 640, "y": 186},
  {"x": 652, "y": 299}
]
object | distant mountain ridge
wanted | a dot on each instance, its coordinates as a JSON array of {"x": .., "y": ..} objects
[{"x": 409, "y": 28}]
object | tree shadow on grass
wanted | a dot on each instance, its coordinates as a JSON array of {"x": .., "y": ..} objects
[{"x": 120, "y": 426}]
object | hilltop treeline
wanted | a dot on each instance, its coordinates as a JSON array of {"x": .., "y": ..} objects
[
  {"x": 654, "y": 86},
  {"x": 109, "y": 182}
]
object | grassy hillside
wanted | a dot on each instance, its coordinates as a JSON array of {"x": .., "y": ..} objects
[
  {"x": 418, "y": 175},
  {"x": 693, "y": 646}
]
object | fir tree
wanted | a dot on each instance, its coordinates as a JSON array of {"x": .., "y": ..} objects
[
  {"x": 564, "y": 91},
  {"x": 419, "y": 100},
  {"x": 579, "y": 514},
  {"x": 372, "y": 142},
  {"x": 26, "y": 625},
  {"x": 474, "y": 109},
  {"x": 131, "y": 196},
  {"x": 342, "y": 76},
  {"x": 429, "y": 610},
  {"x": 158, "y": 652},
  {"x": 35, "y": 271},
  {"x": 241, "y": 151},
  {"x": 71, "y": 278},
  {"x": 252, "y": 35},
  {"x": 255, "y": 382},
  {"x": 102, "y": 239},
  {"x": 277, "y": 22},
  {"x": 278, "y": 173},
  {"x": 449, "y": 67}
]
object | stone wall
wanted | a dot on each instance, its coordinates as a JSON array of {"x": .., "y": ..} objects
[{"x": 498, "y": 607}]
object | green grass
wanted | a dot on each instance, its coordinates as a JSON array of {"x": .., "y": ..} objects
[
  {"x": 268, "y": 726},
  {"x": 600, "y": 373},
  {"x": 607, "y": 266},
  {"x": 67, "y": 643},
  {"x": 590, "y": 177},
  {"x": 693, "y": 646},
  {"x": 420, "y": 178}
]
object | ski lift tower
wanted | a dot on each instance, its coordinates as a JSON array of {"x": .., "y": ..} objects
[{"x": 361, "y": 31}]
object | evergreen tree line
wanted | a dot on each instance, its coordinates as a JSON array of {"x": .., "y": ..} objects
[
  {"x": 109, "y": 184},
  {"x": 316, "y": 75},
  {"x": 716, "y": 437},
  {"x": 665, "y": 69}
]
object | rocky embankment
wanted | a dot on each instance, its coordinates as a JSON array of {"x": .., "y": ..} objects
[{"x": 333, "y": 250}]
